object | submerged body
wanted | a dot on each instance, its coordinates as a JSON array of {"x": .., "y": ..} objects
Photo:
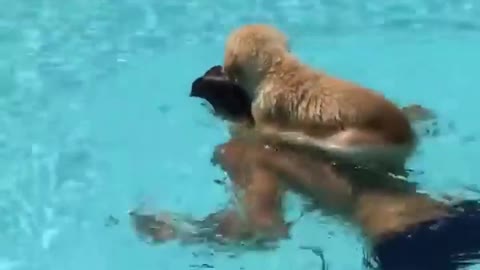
[{"x": 406, "y": 229}]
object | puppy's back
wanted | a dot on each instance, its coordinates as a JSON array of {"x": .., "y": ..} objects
[{"x": 320, "y": 105}]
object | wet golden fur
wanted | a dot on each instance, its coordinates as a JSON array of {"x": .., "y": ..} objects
[{"x": 294, "y": 102}]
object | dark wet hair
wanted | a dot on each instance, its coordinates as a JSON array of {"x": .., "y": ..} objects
[{"x": 227, "y": 98}]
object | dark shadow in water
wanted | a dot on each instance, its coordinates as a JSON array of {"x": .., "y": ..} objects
[{"x": 448, "y": 243}]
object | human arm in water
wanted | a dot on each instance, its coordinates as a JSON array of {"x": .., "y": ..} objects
[{"x": 255, "y": 215}]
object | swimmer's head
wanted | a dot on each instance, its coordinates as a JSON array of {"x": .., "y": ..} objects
[
  {"x": 215, "y": 72},
  {"x": 227, "y": 98}
]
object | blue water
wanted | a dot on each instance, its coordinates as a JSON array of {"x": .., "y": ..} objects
[{"x": 95, "y": 118}]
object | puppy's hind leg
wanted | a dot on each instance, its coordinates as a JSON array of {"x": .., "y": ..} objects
[
  {"x": 361, "y": 147},
  {"x": 369, "y": 147}
]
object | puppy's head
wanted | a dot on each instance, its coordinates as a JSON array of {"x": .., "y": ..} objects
[
  {"x": 251, "y": 51},
  {"x": 228, "y": 99}
]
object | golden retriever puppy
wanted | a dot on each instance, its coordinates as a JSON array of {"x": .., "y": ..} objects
[{"x": 294, "y": 102}]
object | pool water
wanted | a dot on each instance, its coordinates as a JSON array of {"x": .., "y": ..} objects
[{"x": 95, "y": 119}]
